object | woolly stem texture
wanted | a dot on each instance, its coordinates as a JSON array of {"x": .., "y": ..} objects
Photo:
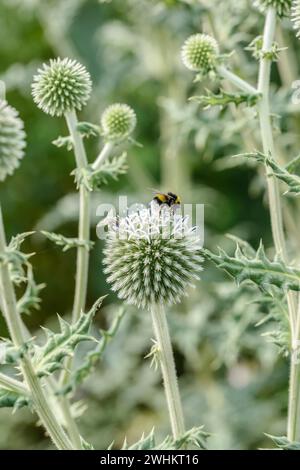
[
  {"x": 103, "y": 155},
  {"x": 168, "y": 369},
  {"x": 275, "y": 206},
  {"x": 15, "y": 328},
  {"x": 236, "y": 80},
  {"x": 13, "y": 385},
  {"x": 84, "y": 221}
]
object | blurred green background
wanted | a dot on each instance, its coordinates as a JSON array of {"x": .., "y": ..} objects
[{"x": 231, "y": 378}]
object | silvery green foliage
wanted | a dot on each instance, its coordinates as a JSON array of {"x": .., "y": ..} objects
[
  {"x": 12, "y": 140},
  {"x": 151, "y": 256},
  {"x": 257, "y": 269},
  {"x": 224, "y": 99},
  {"x": 118, "y": 121},
  {"x": 17, "y": 260},
  {"x": 93, "y": 180},
  {"x": 65, "y": 242},
  {"x": 93, "y": 357},
  {"x": 296, "y": 16},
  {"x": 283, "y": 7},
  {"x": 30, "y": 300},
  {"x": 49, "y": 357},
  {"x": 194, "y": 436},
  {"x": 62, "y": 85},
  {"x": 284, "y": 443},
  {"x": 283, "y": 173},
  {"x": 9, "y": 399},
  {"x": 199, "y": 53}
]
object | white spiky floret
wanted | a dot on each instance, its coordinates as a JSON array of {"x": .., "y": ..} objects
[
  {"x": 12, "y": 139},
  {"x": 62, "y": 85},
  {"x": 152, "y": 256}
]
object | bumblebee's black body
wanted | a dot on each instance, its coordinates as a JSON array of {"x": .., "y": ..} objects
[{"x": 170, "y": 199}]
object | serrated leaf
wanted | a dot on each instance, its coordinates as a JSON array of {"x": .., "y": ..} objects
[
  {"x": 224, "y": 99},
  {"x": 284, "y": 443},
  {"x": 258, "y": 269},
  {"x": 16, "y": 259},
  {"x": 65, "y": 242},
  {"x": 93, "y": 357},
  {"x": 30, "y": 299},
  {"x": 195, "y": 436},
  {"x": 87, "y": 129},
  {"x": 64, "y": 142},
  {"x": 49, "y": 357},
  {"x": 94, "y": 179},
  {"x": 9, "y": 399}
]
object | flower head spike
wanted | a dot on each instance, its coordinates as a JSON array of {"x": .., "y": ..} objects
[
  {"x": 152, "y": 256},
  {"x": 296, "y": 16},
  {"x": 283, "y": 7},
  {"x": 118, "y": 122},
  {"x": 12, "y": 140},
  {"x": 61, "y": 86},
  {"x": 199, "y": 53}
]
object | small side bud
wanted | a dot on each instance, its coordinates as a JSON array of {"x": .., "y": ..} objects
[
  {"x": 199, "y": 53},
  {"x": 118, "y": 121}
]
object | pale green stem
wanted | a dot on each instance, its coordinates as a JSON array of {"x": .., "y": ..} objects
[
  {"x": 84, "y": 221},
  {"x": 275, "y": 207},
  {"x": 13, "y": 385},
  {"x": 103, "y": 155},
  {"x": 236, "y": 80},
  {"x": 15, "y": 328},
  {"x": 168, "y": 369}
]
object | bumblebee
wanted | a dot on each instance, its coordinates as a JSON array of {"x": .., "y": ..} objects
[{"x": 170, "y": 199}]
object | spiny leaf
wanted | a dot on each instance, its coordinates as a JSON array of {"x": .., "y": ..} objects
[
  {"x": 10, "y": 399},
  {"x": 16, "y": 259},
  {"x": 94, "y": 179},
  {"x": 10, "y": 354},
  {"x": 86, "y": 445},
  {"x": 30, "y": 299},
  {"x": 282, "y": 173},
  {"x": 63, "y": 142},
  {"x": 284, "y": 443},
  {"x": 93, "y": 357},
  {"x": 87, "y": 129},
  {"x": 67, "y": 243},
  {"x": 194, "y": 436},
  {"x": 224, "y": 99},
  {"x": 49, "y": 357},
  {"x": 259, "y": 269}
]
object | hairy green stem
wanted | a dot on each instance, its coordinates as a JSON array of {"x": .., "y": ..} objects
[
  {"x": 236, "y": 80},
  {"x": 103, "y": 155},
  {"x": 15, "y": 328},
  {"x": 276, "y": 209},
  {"x": 168, "y": 369},
  {"x": 13, "y": 385}
]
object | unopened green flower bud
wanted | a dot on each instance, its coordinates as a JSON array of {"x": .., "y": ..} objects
[
  {"x": 199, "y": 53},
  {"x": 118, "y": 121}
]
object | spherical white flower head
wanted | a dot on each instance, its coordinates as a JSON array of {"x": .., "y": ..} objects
[
  {"x": 199, "y": 53},
  {"x": 152, "y": 256},
  {"x": 62, "y": 85},
  {"x": 296, "y": 16},
  {"x": 118, "y": 121},
  {"x": 12, "y": 140},
  {"x": 283, "y": 7}
]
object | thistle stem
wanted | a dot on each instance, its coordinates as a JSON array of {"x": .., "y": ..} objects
[
  {"x": 168, "y": 369},
  {"x": 15, "y": 328},
  {"x": 84, "y": 221},
  {"x": 276, "y": 209},
  {"x": 13, "y": 385},
  {"x": 237, "y": 81},
  {"x": 103, "y": 155}
]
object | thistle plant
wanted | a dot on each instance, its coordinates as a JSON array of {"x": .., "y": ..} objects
[
  {"x": 296, "y": 16},
  {"x": 257, "y": 267},
  {"x": 152, "y": 256}
]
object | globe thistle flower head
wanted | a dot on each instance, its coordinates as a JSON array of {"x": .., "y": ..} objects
[
  {"x": 296, "y": 16},
  {"x": 283, "y": 7},
  {"x": 152, "y": 256},
  {"x": 199, "y": 53},
  {"x": 12, "y": 140},
  {"x": 118, "y": 121},
  {"x": 62, "y": 85}
]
